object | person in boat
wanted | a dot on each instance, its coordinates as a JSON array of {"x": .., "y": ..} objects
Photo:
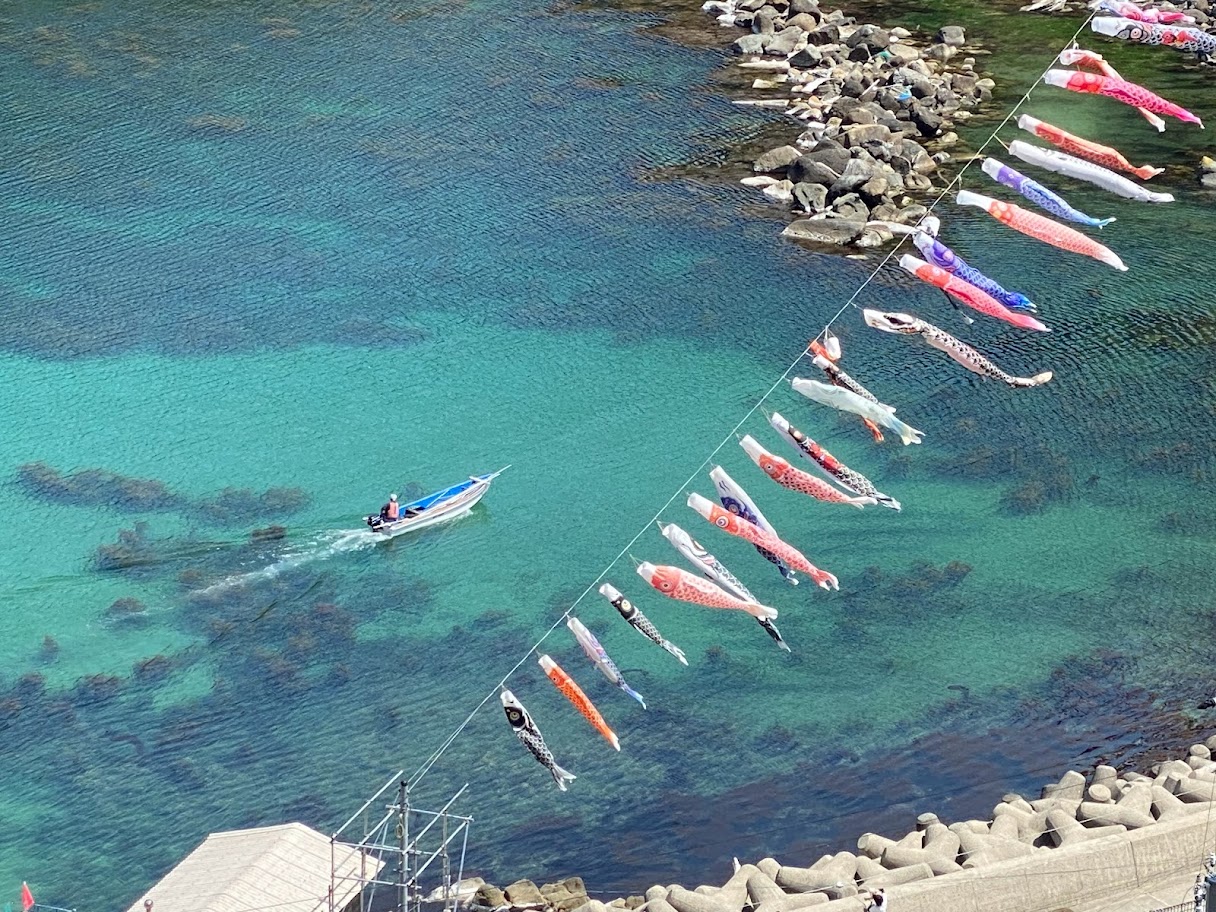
[{"x": 390, "y": 512}]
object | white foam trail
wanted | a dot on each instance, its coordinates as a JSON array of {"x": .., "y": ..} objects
[{"x": 324, "y": 545}]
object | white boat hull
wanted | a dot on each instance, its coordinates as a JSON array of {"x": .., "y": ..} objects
[{"x": 452, "y": 509}]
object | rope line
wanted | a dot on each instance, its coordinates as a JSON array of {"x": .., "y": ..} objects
[{"x": 850, "y": 302}]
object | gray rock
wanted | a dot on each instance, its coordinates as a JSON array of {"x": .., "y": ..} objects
[
  {"x": 826, "y": 151},
  {"x": 928, "y": 121},
  {"x": 806, "y": 6},
  {"x": 823, "y": 231},
  {"x": 750, "y": 5},
  {"x": 814, "y": 172},
  {"x": 827, "y": 33},
  {"x": 856, "y": 173},
  {"x": 1208, "y": 180},
  {"x": 910, "y": 215},
  {"x": 748, "y": 44},
  {"x": 765, "y": 22},
  {"x": 917, "y": 183},
  {"x": 804, "y": 21},
  {"x": 854, "y": 84},
  {"x": 593, "y": 905},
  {"x": 811, "y": 197},
  {"x": 851, "y": 206},
  {"x": 923, "y": 163},
  {"x": 872, "y": 36},
  {"x": 901, "y": 54},
  {"x": 963, "y": 83},
  {"x": 777, "y": 159},
  {"x": 808, "y": 58},
  {"x": 939, "y": 52},
  {"x": 860, "y": 113},
  {"x": 861, "y": 134},
  {"x": 785, "y": 42},
  {"x": 952, "y": 35},
  {"x": 523, "y": 893},
  {"x": 874, "y": 191},
  {"x": 884, "y": 212},
  {"x": 491, "y": 897}
]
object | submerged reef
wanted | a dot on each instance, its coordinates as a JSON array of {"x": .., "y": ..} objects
[{"x": 102, "y": 487}]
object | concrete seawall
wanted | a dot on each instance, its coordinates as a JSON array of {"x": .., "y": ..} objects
[{"x": 1108, "y": 836}]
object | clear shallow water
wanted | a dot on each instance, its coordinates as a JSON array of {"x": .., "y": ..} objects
[{"x": 342, "y": 248}]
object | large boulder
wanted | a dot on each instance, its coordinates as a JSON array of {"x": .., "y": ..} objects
[
  {"x": 902, "y": 54},
  {"x": 812, "y": 197},
  {"x": 827, "y": 33},
  {"x": 806, "y": 6},
  {"x": 952, "y": 35},
  {"x": 856, "y": 173},
  {"x": 777, "y": 159},
  {"x": 928, "y": 121},
  {"x": 491, "y": 897},
  {"x": 827, "y": 151},
  {"x": 825, "y": 231},
  {"x": 873, "y": 36},
  {"x": 861, "y": 134},
  {"x": 804, "y": 21},
  {"x": 785, "y": 42},
  {"x": 813, "y": 172},
  {"x": 809, "y": 57},
  {"x": 524, "y": 893},
  {"x": 748, "y": 44}
]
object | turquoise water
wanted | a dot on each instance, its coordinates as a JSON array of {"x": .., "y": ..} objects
[{"x": 306, "y": 254}]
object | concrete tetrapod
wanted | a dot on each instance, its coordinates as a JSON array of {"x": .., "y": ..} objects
[
  {"x": 1107, "y": 776},
  {"x": 890, "y": 878},
  {"x": 936, "y": 846},
  {"x": 1134, "y": 808},
  {"x": 1066, "y": 830},
  {"x": 791, "y": 902},
  {"x": 825, "y": 874},
  {"x": 761, "y": 887},
  {"x": 735, "y": 892},
  {"x": 683, "y": 900},
  {"x": 978, "y": 849},
  {"x": 1071, "y": 785},
  {"x": 1168, "y": 806}
]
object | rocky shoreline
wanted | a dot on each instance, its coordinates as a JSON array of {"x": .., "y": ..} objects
[
  {"x": 1077, "y": 840},
  {"x": 876, "y": 107}
]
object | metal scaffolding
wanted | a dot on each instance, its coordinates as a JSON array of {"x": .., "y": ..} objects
[{"x": 404, "y": 838}]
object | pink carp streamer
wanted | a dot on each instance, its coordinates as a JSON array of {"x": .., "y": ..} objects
[
  {"x": 795, "y": 479},
  {"x": 1037, "y": 226},
  {"x": 967, "y": 293},
  {"x": 1129, "y": 10},
  {"x": 740, "y": 528},
  {"x": 1092, "y": 60},
  {"x": 1121, "y": 90},
  {"x": 1105, "y": 156},
  {"x": 688, "y": 587}
]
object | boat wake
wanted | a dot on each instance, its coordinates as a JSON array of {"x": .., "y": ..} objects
[{"x": 322, "y": 546}]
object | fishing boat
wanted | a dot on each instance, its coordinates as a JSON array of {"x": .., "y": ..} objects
[{"x": 439, "y": 507}]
